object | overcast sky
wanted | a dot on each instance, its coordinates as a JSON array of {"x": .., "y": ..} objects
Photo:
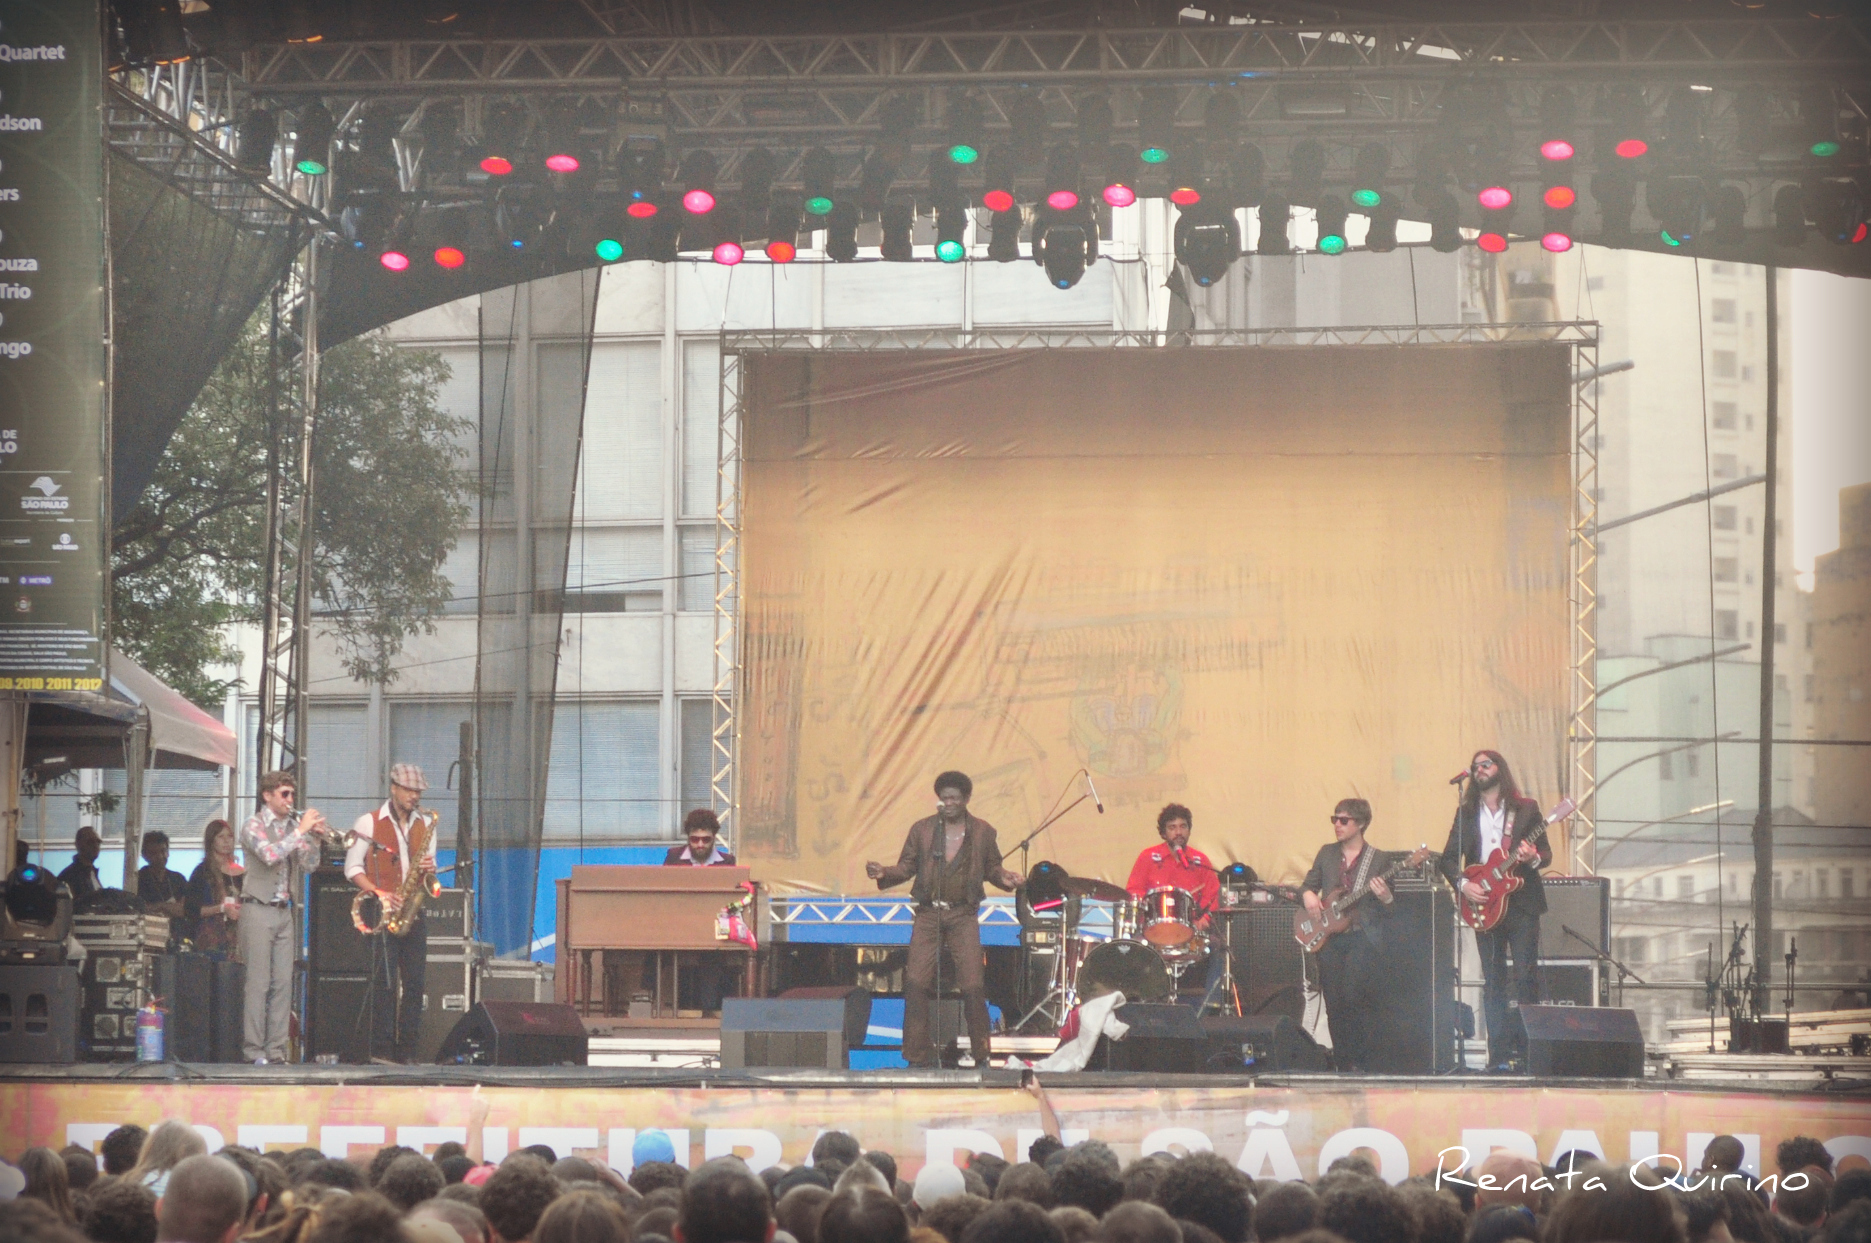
[{"x": 1831, "y": 362}]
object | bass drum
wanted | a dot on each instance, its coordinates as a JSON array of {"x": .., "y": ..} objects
[{"x": 1128, "y": 967}]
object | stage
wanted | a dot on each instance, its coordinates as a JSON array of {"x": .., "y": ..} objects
[{"x": 1272, "y": 1126}]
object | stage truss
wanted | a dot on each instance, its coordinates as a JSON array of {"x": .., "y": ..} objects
[{"x": 1578, "y": 780}]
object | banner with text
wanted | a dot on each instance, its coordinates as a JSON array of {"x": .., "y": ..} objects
[{"x": 54, "y": 540}]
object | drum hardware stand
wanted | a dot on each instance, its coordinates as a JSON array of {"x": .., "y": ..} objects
[
  {"x": 1058, "y": 992},
  {"x": 1230, "y": 995}
]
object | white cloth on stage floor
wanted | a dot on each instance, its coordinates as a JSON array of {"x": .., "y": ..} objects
[{"x": 1097, "y": 1017}]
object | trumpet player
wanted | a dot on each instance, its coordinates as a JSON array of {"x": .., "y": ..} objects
[
  {"x": 378, "y": 862},
  {"x": 279, "y": 843}
]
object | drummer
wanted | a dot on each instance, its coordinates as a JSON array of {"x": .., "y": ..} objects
[{"x": 1177, "y": 865}]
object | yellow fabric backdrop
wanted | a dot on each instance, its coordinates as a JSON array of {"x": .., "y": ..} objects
[{"x": 1249, "y": 580}]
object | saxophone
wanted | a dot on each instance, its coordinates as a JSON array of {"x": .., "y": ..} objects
[{"x": 417, "y": 884}]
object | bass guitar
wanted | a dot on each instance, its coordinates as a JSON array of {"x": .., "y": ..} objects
[
  {"x": 1497, "y": 878},
  {"x": 1313, "y": 931}
]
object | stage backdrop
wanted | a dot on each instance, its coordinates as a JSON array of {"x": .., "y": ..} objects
[{"x": 1252, "y": 580}]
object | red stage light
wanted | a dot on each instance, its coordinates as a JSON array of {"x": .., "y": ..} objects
[
  {"x": 1494, "y": 198},
  {"x": 1493, "y": 243},
  {"x": 1862, "y": 230},
  {"x": 997, "y": 200},
  {"x": 449, "y": 257},
  {"x": 395, "y": 260},
  {"x": 698, "y": 202},
  {"x": 1556, "y": 242},
  {"x": 1117, "y": 194},
  {"x": 1631, "y": 148},
  {"x": 1185, "y": 196},
  {"x": 782, "y": 251},
  {"x": 497, "y": 165},
  {"x": 1062, "y": 200},
  {"x": 1559, "y": 197},
  {"x": 642, "y": 209},
  {"x": 729, "y": 253},
  {"x": 1556, "y": 149},
  {"x": 562, "y": 162}
]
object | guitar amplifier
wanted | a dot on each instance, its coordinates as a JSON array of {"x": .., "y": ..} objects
[
  {"x": 1269, "y": 966},
  {"x": 1581, "y": 903}
]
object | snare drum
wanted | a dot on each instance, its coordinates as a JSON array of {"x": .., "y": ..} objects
[{"x": 1168, "y": 917}]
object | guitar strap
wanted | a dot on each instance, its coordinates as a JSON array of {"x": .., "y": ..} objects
[{"x": 1366, "y": 859}]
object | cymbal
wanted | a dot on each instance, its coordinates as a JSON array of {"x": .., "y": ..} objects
[{"x": 1091, "y": 887}]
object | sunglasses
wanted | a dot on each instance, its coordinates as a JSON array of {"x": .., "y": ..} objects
[{"x": 1344, "y": 820}]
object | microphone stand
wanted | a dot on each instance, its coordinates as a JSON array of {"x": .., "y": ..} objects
[
  {"x": 1624, "y": 972},
  {"x": 1045, "y": 824}
]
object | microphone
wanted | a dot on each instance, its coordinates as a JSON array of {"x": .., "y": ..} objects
[
  {"x": 1459, "y": 778},
  {"x": 1094, "y": 791}
]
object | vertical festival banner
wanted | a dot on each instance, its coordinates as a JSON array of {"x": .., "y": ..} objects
[{"x": 53, "y": 534}]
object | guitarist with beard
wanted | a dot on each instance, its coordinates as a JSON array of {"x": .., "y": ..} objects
[
  {"x": 1493, "y": 816},
  {"x": 1350, "y": 964}
]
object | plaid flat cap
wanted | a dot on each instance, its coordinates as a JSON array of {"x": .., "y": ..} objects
[{"x": 409, "y": 777}]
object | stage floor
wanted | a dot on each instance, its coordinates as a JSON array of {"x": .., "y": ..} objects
[{"x": 1274, "y": 1126}]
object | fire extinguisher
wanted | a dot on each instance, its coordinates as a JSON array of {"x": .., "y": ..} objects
[{"x": 149, "y": 1034}]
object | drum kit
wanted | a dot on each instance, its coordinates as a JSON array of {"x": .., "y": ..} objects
[{"x": 1153, "y": 940}]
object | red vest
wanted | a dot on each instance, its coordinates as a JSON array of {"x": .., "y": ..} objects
[{"x": 384, "y": 867}]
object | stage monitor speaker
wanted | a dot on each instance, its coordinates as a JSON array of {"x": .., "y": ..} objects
[
  {"x": 805, "y": 1032},
  {"x": 1164, "y": 1039},
  {"x": 185, "y": 982},
  {"x": 1269, "y": 966},
  {"x": 39, "y": 1014},
  {"x": 1261, "y": 1043},
  {"x": 517, "y": 1033},
  {"x": 856, "y": 1001},
  {"x": 335, "y": 946},
  {"x": 336, "y": 1025},
  {"x": 1583, "y": 1042},
  {"x": 1581, "y": 903},
  {"x": 229, "y": 1001}
]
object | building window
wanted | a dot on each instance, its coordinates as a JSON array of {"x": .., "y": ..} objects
[
  {"x": 1779, "y": 887},
  {"x": 1721, "y": 269},
  {"x": 428, "y": 735},
  {"x": 1685, "y": 887},
  {"x": 1780, "y": 632},
  {"x": 1692, "y": 761},
  {"x": 1747, "y": 372},
  {"x": 602, "y": 780},
  {"x": 1724, "y": 466},
  {"x": 697, "y": 593},
  {"x": 698, "y": 753},
  {"x": 341, "y": 775},
  {"x": 1733, "y": 884},
  {"x": 1666, "y": 766},
  {"x": 1722, "y": 311},
  {"x": 1809, "y": 688},
  {"x": 1727, "y": 569},
  {"x": 1656, "y": 886},
  {"x": 1722, "y": 364},
  {"x": 1723, "y": 415},
  {"x": 615, "y": 570},
  {"x": 1822, "y": 883},
  {"x": 1727, "y": 623},
  {"x": 1847, "y": 883},
  {"x": 1725, "y": 518}
]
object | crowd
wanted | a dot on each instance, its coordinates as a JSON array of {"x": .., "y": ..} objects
[{"x": 164, "y": 1187}]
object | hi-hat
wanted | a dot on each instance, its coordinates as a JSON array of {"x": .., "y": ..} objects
[{"x": 1091, "y": 887}]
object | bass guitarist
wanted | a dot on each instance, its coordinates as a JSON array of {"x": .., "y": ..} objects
[
  {"x": 1493, "y": 816},
  {"x": 1350, "y": 964}
]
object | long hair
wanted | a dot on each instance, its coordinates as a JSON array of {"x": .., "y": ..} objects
[
  {"x": 1510, "y": 789},
  {"x": 48, "y": 1181},
  {"x": 167, "y": 1147},
  {"x": 216, "y": 881}
]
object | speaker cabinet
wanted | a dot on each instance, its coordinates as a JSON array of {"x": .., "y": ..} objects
[
  {"x": 229, "y": 1001},
  {"x": 795, "y": 1031},
  {"x": 856, "y": 1002},
  {"x": 335, "y": 946},
  {"x": 336, "y": 1025},
  {"x": 1418, "y": 1015},
  {"x": 1162, "y": 1039},
  {"x": 1582, "y": 1042},
  {"x": 1581, "y": 903},
  {"x": 517, "y": 1033},
  {"x": 39, "y": 1014},
  {"x": 1569, "y": 983},
  {"x": 1269, "y": 966},
  {"x": 185, "y": 982},
  {"x": 451, "y": 986},
  {"x": 1262, "y": 1043}
]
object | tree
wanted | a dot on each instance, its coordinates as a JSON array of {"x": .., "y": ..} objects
[{"x": 390, "y": 494}]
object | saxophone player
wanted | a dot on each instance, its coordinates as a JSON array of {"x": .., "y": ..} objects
[{"x": 378, "y": 862}]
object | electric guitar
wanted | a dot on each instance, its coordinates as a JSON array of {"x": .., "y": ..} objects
[
  {"x": 1497, "y": 877},
  {"x": 1313, "y": 931}
]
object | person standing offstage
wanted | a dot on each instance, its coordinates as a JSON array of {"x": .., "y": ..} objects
[
  {"x": 1177, "y": 865},
  {"x": 378, "y": 861},
  {"x": 949, "y": 855},
  {"x": 80, "y": 875},
  {"x": 1349, "y": 963},
  {"x": 1492, "y": 816},
  {"x": 278, "y": 843}
]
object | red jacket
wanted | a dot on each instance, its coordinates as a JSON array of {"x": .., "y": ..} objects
[{"x": 1157, "y": 866}]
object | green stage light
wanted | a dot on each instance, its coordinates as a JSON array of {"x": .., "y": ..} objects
[
  {"x": 1667, "y": 239},
  {"x": 951, "y": 251},
  {"x": 610, "y": 250},
  {"x": 962, "y": 153},
  {"x": 819, "y": 206},
  {"x": 1824, "y": 147},
  {"x": 1366, "y": 198},
  {"x": 1154, "y": 155},
  {"x": 1332, "y": 244}
]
